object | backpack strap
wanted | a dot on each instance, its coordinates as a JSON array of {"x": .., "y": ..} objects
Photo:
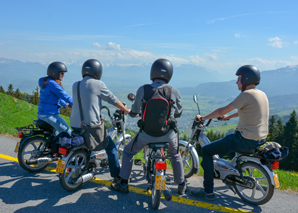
[{"x": 80, "y": 105}]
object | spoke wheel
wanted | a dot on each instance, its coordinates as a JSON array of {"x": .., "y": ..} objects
[
  {"x": 263, "y": 189},
  {"x": 188, "y": 161},
  {"x": 73, "y": 170},
  {"x": 32, "y": 149}
]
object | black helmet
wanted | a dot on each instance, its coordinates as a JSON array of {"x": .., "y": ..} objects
[
  {"x": 249, "y": 75},
  {"x": 93, "y": 68},
  {"x": 55, "y": 68},
  {"x": 161, "y": 69}
]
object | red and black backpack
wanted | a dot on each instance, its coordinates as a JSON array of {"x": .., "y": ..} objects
[{"x": 156, "y": 109}]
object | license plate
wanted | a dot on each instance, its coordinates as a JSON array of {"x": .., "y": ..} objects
[
  {"x": 17, "y": 147},
  {"x": 160, "y": 182},
  {"x": 60, "y": 166},
  {"x": 276, "y": 181}
]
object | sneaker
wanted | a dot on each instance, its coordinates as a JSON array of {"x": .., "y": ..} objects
[
  {"x": 182, "y": 188},
  {"x": 120, "y": 188},
  {"x": 116, "y": 179},
  {"x": 202, "y": 194}
]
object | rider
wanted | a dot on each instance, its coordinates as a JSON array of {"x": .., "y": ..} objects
[
  {"x": 52, "y": 96},
  {"x": 252, "y": 129},
  {"x": 92, "y": 92},
  {"x": 161, "y": 74}
]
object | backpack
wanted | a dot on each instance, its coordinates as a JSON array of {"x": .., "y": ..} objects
[{"x": 156, "y": 110}]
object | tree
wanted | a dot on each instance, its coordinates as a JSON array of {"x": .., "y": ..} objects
[
  {"x": 272, "y": 129},
  {"x": 35, "y": 96},
  {"x": 10, "y": 90},
  {"x": 291, "y": 141},
  {"x": 2, "y": 90},
  {"x": 18, "y": 94}
]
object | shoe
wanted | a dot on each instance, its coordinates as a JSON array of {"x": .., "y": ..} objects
[
  {"x": 120, "y": 188},
  {"x": 116, "y": 179},
  {"x": 202, "y": 194},
  {"x": 182, "y": 188}
]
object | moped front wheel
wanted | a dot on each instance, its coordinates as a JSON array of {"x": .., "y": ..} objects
[
  {"x": 31, "y": 150},
  {"x": 73, "y": 169},
  {"x": 120, "y": 147},
  {"x": 188, "y": 161},
  {"x": 262, "y": 189}
]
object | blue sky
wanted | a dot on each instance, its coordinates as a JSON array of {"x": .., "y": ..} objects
[{"x": 217, "y": 35}]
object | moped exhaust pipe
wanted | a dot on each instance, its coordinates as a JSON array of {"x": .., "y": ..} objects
[
  {"x": 85, "y": 178},
  {"x": 42, "y": 160},
  {"x": 167, "y": 193}
]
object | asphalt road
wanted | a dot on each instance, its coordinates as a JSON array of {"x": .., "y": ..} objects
[{"x": 21, "y": 191}]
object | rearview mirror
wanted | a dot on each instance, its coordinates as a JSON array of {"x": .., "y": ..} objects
[
  {"x": 131, "y": 97},
  {"x": 195, "y": 98}
]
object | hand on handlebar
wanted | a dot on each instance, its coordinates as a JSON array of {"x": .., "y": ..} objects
[
  {"x": 198, "y": 118},
  {"x": 127, "y": 112},
  {"x": 223, "y": 118}
]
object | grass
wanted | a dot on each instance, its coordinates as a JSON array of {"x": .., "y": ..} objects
[{"x": 17, "y": 113}]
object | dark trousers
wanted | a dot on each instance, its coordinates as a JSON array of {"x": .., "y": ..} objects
[{"x": 228, "y": 144}]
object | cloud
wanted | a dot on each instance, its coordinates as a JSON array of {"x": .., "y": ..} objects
[
  {"x": 211, "y": 56},
  {"x": 239, "y": 35},
  {"x": 216, "y": 51},
  {"x": 230, "y": 17},
  {"x": 196, "y": 59},
  {"x": 112, "y": 46},
  {"x": 295, "y": 42},
  {"x": 96, "y": 45},
  {"x": 267, "y": 64},
  {"x": 294, "y": 57},
  {"x": 276, "y": 42}
]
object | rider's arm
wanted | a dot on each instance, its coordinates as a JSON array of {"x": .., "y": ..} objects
[
  {"x": 122, "y": 107},
  {"x": 136, "y": 106},
  {"x": 228, "y": 117},
  {"x": 216, "y": 113}
]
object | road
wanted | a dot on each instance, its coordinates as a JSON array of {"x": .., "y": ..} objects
[{"x": 21, "y": 191}]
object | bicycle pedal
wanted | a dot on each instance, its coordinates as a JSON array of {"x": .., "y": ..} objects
[{"x": 138, "y": 162}]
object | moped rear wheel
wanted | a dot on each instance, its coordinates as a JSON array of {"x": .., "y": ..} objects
[
  {"x": 156, "y": 194},
  {"x": 188, "y": 161},
  {"x": 31, "y": 150},
  {"x": 263, "y": 189},
  {"x": 73, "y": 169}
]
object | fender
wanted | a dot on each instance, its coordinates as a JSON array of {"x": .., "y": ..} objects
[
  {"x": 120, "y": 138},
  {"x": 74, "y": 149},
  {"x": 23, "y": 140},
  {"x": 256, "y": 160},
  {"x": 193, "y": 152}
]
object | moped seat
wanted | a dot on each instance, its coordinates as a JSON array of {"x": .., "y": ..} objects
[
  {"x": 159, "y": 145},
  {"x": 252, "y": 151},
  {"x": 43, "y": 125}
]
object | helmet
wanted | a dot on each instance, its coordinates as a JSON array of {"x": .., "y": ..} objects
[
  {"x": 249, "y": 75},
  {"x": 93, "y": 68},
  {"x": 55, "y": 68},
  {"x": 161, "y": 69}
]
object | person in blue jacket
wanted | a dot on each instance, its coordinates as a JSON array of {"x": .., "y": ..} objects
[{"x": 52, "y": 97}]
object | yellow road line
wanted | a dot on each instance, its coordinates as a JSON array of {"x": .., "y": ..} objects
[{"x": 137, "y": 190}]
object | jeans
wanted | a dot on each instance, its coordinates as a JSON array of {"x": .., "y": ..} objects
[
  {"x": 228, "y": 144},
  {"x": 57, "y": 122},
  {"x": 113, "y": 158}
]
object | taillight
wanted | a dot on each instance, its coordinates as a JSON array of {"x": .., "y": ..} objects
[
  {"x": 274, "y": 165},
  {"x": 20, "y": 135},
  {"x": 63, "y": 151},
  {"x": 161, "y": 165}
]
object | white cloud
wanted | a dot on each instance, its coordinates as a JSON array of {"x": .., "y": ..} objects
[
  {"x": 263, "y": 64},
  {"x": 112, "y": 46},
  {"x": 295, "y": 42},
  {"x": 211, "y": 56},
  {"x": 239, "y": 35},
  {"x": 1, "y": 43},
  {"x": 276, "y": 42},
  {"x": 294, "y": 57},
  {"x": 196, "y": 59},
  {"x": 216, "y": 51},
  {"x": 96, "y": 45}
]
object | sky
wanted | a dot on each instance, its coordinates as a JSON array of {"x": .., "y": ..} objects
[{"x": 217, "y": 35}]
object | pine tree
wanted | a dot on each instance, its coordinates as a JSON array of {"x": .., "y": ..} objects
[
  {"x": 291, "y": 141},
  {"x": 10, "y": 90},
  {"x": 2, "y": 90},
  {"x": 35, "y": 96},
  {"x": 272, "y": 129},
  {"x": 18, "y": 94}
]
